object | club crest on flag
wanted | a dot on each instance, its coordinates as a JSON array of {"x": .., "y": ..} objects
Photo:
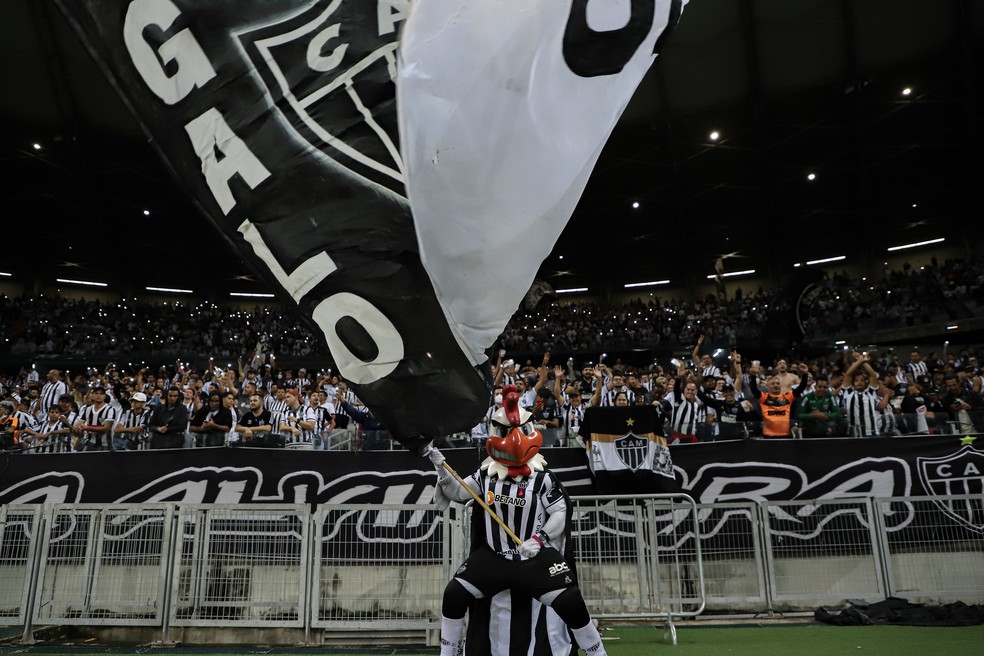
[
  {"x": 961, "y": 473},
  {"x": 632, "y": 450},
  {"x": 326, "y": 69}
]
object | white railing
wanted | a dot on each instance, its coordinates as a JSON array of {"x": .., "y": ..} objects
[{"x": 314, "y": 573}]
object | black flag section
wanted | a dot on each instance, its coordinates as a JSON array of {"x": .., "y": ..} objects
[{"x": 279, "y": 120}]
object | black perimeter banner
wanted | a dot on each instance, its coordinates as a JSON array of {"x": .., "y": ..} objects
[{"x": 739, "y": 471}]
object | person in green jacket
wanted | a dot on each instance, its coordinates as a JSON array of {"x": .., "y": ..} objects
[{"x": 819, "y": 411}]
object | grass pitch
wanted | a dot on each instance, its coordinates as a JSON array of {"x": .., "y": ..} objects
[{"x": 810, "y": 639}]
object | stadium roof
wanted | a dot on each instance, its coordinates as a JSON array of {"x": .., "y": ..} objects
[{"x": 791, "y": 87}]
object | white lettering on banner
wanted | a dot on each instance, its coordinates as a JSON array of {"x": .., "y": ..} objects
[
  {"x": 302, "y": 279},
  {"x": 389, "y": 343},
  {"x": 945, "y": 471},
  {"x": 320, "y": 62},
  {"x": 767, "y": 487},
  {"x": 210, "y": 133},
  {"x": 389, "y": 13},
  {"x": 193, "y": 66}
]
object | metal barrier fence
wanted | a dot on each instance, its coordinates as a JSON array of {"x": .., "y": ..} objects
[{"x": 382, "y": 568}]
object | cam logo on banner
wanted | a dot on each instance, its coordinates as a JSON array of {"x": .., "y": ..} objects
[
  {"x": 957, "y": 475},
  {"x": 329, "y": 75},
  {"x": 627, "y": 451},
  {"x": 632, "y": 450}
]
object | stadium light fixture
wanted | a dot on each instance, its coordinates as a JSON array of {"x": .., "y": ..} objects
[
  {"x": 953, "y": 327},
  {"x": 169, "y": 290},
  {"x": 250, "y": 295},
  {"x": 916, "y": 244},
  {"x": 646, "y": 284},
  {"x": 732, "y": 274},
  {"x": 5, "y": 274},
  {"x": 87, "y": 283},
  {"x": 572, "y": 290},
  {"x": 836, "y": 258}
]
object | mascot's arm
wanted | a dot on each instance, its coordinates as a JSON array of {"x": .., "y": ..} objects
[
  {"x": 448, "y": 487},
  {"x": 556, "y": 523}
]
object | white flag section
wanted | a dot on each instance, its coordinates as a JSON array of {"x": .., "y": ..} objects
[{"x": 499, "y": 134}]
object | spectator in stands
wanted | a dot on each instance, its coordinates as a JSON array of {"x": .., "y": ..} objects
[
  {"x": 684, "y": 409},
  {"x": 819, "y": 412},
  {"x": 965, "y": 407},
  {"x": 10, "y": 429},
  {"x": 861, "y": 401},
  {"x": 546, "y": 413},
  {"x": 733, "y": 417},
  {"x": 915, "y": 415},
  {"x": 131, "y": 427},
  {"x": 296, "y": 419},
  {"x": 45, "y": 437},
  {"x": 787, "y": 378},
  {"x": 211, "y": 423},
  {"x": 168, "y": 421},
  {"x": 703, "y": 363},
  {"x": 94, "y": 426},
  {"x": 53, "y": 389},
  {"x": 255, "y": 424},
  {"x": 777, "y": 405},
  {"x": 375, "y": 435}
]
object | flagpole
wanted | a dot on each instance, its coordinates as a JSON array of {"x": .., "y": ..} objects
[{"x": 481, "y": 502}]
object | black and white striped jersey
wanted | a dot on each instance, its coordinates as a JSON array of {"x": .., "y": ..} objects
[
  {"x": 51, "y": 392},
  {"x": 861, "y": 410},
  {"x": 608, "y": 396},
  {"x": 917, "y": 368},
  {"x": 25, "y": 420},
  {"x": 274, "y": 406},
  {"x": 90, "y": 416},
  {"x": 572, "y": 418},
  {"x": 131, "y": 419},
  {"x": 522, "y": 506},
  {"x": 684, "y": 415}
]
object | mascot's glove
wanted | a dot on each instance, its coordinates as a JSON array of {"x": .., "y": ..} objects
[
  {"x": 531, "y": 547},
  {"x": 436, "y": 457}
]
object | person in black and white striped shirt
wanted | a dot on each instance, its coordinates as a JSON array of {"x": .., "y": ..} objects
[
  {"x": 131, "y": 428},
  {"x": 52, "y": 390},
  {"x": 916, "y": 366},
  {"x": 276, "y": 401},
  {"x": 95, "y": 423},
  {"x": 528, "y": 500},
  {"x": 862, "y": 401},
  {"x": 684, "y": 410}
]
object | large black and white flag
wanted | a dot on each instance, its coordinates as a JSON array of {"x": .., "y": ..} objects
[{"x": 396, "y": 170}]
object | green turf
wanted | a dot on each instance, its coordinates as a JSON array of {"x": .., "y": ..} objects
[
  {"x": 811, "y": 640},
  {"x": 747, "y": 640}
]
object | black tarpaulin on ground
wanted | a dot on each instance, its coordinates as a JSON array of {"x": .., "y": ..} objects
[{"x": 900, "y": 611}]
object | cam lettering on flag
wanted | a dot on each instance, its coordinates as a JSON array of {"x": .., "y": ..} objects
[{"x": 627, "y": 451}]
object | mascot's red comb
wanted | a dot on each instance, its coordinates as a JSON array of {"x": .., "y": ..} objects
[{"x": 510, "y": 403}]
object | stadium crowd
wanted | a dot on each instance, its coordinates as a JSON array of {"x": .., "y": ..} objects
[
  {"x": 49, "y": 326},
  {"x": 707, "y": 396},
  {"x": 855, "y": 394}
]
